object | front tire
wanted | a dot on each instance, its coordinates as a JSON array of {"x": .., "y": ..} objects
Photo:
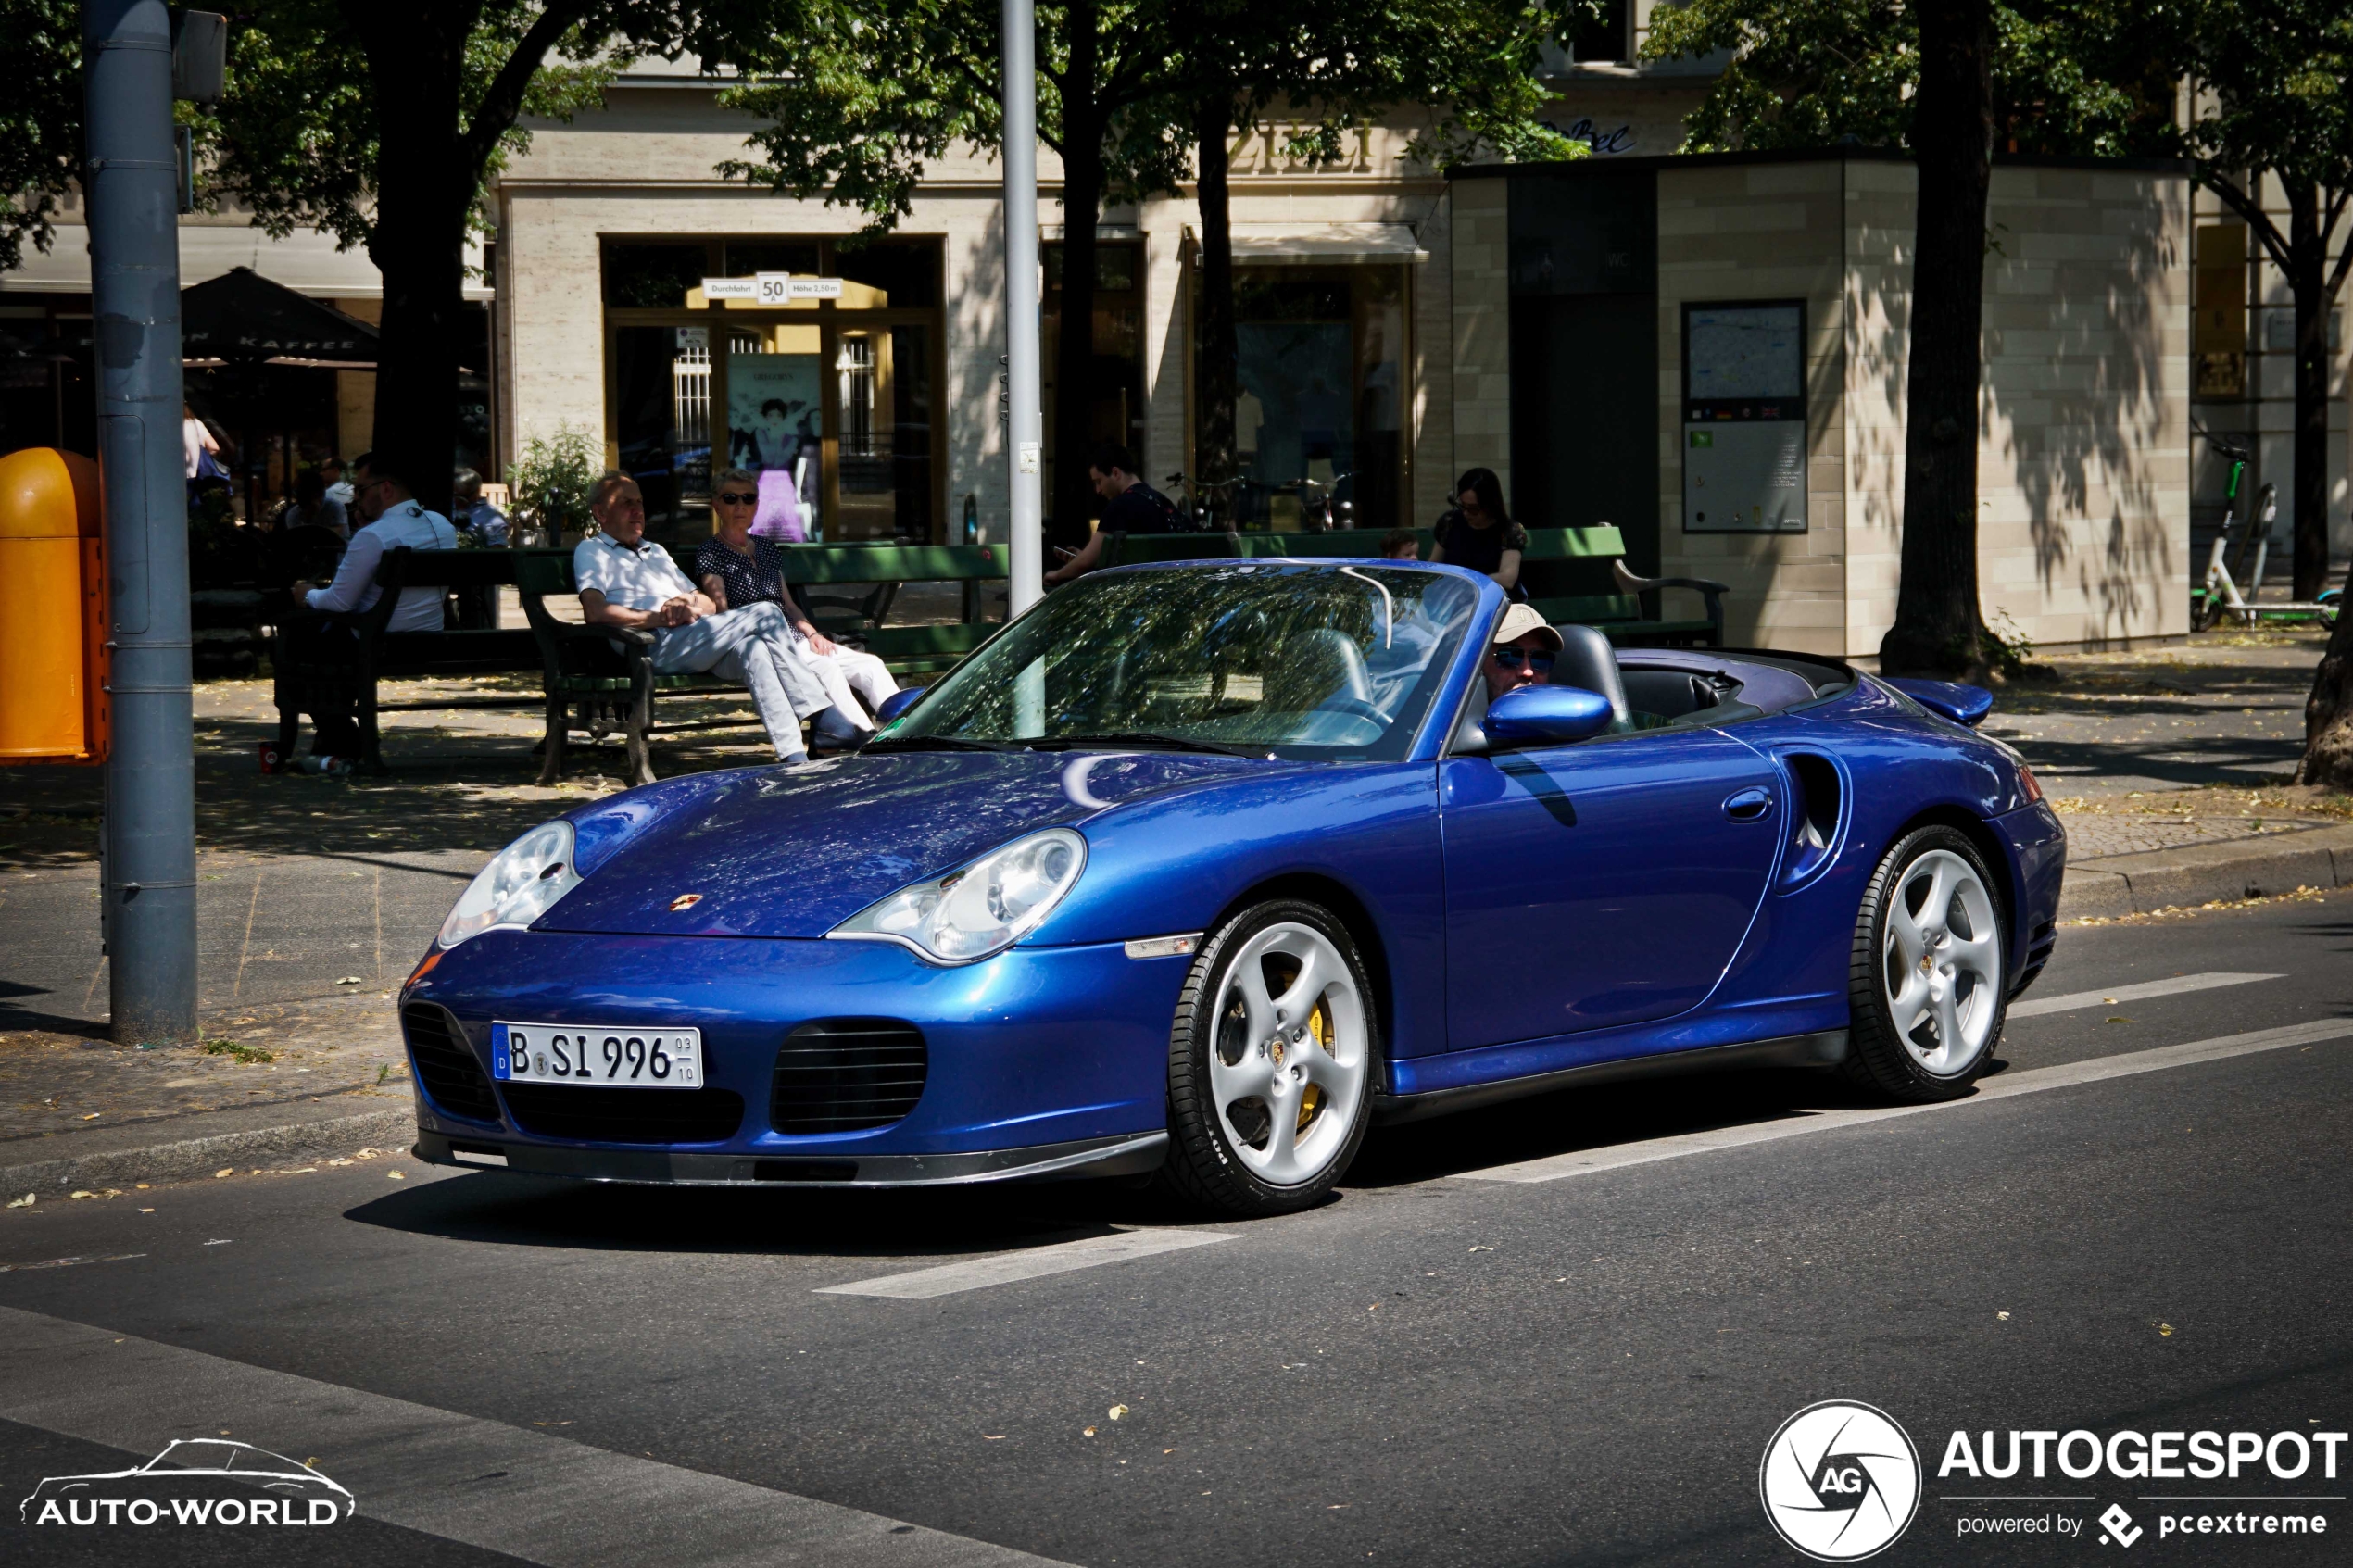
[
  {"x": 1928, "y": 985},
  {"x": 1272, "y": 1059}
]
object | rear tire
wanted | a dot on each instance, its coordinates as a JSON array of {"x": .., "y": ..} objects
[
  {"x": 1272, "y": 1058},
  {"x": 1929, "y": 981}
]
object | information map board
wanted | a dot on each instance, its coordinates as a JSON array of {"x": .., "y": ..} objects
[{"x": 1744, "y": 417}]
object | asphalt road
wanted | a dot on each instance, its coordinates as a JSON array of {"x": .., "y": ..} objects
[{"x": 1437, "y": 1368}]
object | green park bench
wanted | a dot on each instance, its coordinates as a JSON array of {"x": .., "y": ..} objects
[
  {"x": 601, "y": 678},
  {"x": 348, "y": 673},
  {"x": 882, "y": 571}
]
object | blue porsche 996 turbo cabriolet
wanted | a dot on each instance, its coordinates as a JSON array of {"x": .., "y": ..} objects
[{"x": 1203, "y": 868}]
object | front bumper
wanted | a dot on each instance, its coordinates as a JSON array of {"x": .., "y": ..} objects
[
  {"x": 1123, "y": 1156},
  {"x": 1038, "y": 1060}
]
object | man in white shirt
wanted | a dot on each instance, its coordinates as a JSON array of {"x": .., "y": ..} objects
[
  {"x": 625, "y": 580},
  {"x": 392, "y": 518}
]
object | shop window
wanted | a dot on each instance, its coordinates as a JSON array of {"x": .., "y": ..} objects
[
  {"x": 748, "y": 257},
  {"x": 906, "y": 271},
  {"x": 882, "y": 381},
  {"x": 1602, "y": 36},
  {"x": 775, "y": 422},
  {"x": 662, "y": 420},
  {"x": 1321, "y": 406},
  {"x": 1115, "y": 387},
  {"x": 653, "y": 276}
]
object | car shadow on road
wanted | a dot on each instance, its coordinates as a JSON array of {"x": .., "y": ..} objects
[
  {"x": 512, "y": 1210},
  {"x": 1598, "y": 1117}
]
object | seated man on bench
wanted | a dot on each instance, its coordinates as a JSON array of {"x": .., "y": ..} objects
[
  {"x": 392, "y": 517},
  {"x": 627, "y": 580}
]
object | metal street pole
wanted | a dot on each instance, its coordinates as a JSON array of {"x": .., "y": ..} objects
[
  {"x": 149, "y": 835},
  {"x": 1025, "y": 426}
]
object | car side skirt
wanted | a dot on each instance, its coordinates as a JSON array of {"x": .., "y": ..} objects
[
  {"x": 1823, "y": 1049},
  {"x": 1128, "y": 1155}
]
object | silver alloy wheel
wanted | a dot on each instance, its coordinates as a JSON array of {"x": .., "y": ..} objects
[
  {"x": 1941, "y": 962},
  {"x": 1287, "y": 1063}
]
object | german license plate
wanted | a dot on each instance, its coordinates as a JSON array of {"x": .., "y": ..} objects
[{"x": 562, "y": 1053}]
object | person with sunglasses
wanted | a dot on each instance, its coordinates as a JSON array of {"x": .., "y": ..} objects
[
  {"x": 1522, "y": 652},
  {"x": 737, "y": 569},
  {"x": 1479, "y": 534},
  {"x": 628, "y": 581}
]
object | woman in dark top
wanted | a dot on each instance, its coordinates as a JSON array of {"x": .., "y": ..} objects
[
  {"x": 738, "y": 569},
  {"x": 1480, "y": 534}
]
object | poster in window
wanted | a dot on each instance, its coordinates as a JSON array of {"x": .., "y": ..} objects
[{"x": 775, "y": 429}]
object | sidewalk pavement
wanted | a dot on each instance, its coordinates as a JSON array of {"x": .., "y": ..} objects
[{"x": 317, "y": 895}]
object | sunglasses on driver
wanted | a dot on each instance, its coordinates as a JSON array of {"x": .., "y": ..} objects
[
  {"x": 1513, "y": 658},
  {"x": 739, "y": 497}
]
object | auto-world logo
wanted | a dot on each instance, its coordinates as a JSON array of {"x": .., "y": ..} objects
[
  {"x": 194, "y": 1481},
  {"x": 1840, "y": 1481}
]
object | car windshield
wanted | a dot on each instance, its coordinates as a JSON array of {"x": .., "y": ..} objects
[{"x": 1339, "y": 662}]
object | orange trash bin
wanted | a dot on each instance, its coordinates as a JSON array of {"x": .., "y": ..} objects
[{"x": 53, "y": 609}]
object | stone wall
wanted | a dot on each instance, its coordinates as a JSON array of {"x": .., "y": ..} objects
[
  {"x": 1480, "y": 327},
  {"x": 2083, "y": 458},
  {"x": 1760, "y": 232}
]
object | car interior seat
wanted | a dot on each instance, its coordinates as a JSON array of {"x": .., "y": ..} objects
[{"x": 1587, "y": 660}]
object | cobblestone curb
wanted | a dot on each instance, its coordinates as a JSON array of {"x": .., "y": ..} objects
[
  {"x": 387, "y": 1124},
  {"x": 2198, "y": 873}
]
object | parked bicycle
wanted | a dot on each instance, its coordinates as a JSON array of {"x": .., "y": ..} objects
[{"x": 1208, "y": 506}]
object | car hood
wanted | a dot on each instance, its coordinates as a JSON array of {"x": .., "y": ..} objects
[{"x": 794, "y": 851}]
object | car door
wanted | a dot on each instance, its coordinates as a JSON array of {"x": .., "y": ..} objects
[{"x": 1600, "y": 884}]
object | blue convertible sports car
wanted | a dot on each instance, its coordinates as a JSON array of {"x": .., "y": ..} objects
[{"x": 1203, "y": 868}]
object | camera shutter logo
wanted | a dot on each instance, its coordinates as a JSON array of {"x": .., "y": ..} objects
[{"x": 1840, "y": 1481}]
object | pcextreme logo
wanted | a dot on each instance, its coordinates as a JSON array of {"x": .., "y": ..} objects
[{"x": 1840, "y": 1481}]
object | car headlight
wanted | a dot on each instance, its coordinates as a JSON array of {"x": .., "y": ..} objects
[
  {"x": 518, "y": 886},
  {"x": 980, "y": 909}
]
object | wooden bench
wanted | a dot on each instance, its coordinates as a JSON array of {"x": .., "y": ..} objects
[
  {"x": 1572, "y": 575},
  {"x": 348, "y": 673},
  {"x": 883, "y": 569},
  {"x": 601, "y": 678}
]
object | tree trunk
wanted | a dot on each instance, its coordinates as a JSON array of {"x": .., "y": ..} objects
[
  {"x": 1938, "y": 629},
  {"x": 2328, "y": 712},
  {"x": 423, "y": 190},
  {"x": 1074, "y": 436},
  {"x": 1217, "y": 355},
  {"x": 2307, "y": 281}
]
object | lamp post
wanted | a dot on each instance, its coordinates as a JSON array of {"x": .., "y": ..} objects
[
  {"x": 1025, "y": 416},
  {"x": 149, "y": 918}
]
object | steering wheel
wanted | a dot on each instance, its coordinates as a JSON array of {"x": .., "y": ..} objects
[{"x": 1355, "y": 707}]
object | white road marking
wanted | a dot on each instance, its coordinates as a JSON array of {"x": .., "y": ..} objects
[
  {"x": 69, "y": 1263},
  {"x": 535, "y": 1496},
  {"x": 1585, "y": 1162},
  {"x": 1004, "y": 1268},
  {"x": 2034, "y": 1007}
]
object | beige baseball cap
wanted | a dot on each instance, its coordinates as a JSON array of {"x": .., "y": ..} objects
[{"x": 1519, "y": 621}]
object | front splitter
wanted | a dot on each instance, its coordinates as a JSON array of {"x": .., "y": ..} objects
[{"x": 1126, "y": 1155}]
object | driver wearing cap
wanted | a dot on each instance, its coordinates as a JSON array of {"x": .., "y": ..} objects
[{"x": 1522, "y": 652}]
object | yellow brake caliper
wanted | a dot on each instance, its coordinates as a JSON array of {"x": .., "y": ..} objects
[{"x": 1319, "y": 1024}]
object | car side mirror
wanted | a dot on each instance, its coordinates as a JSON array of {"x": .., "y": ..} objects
[
  {"x": 1546, "y": 715},
  {"x": 1967, "y": 706},
  {"x": 897, "y": 703}
]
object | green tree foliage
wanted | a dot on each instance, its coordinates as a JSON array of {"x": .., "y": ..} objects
[
  {"x": 2088, "y": 78},
  {"x": 40, "y": 122},
  {"x": 1949, "y": 81}
]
